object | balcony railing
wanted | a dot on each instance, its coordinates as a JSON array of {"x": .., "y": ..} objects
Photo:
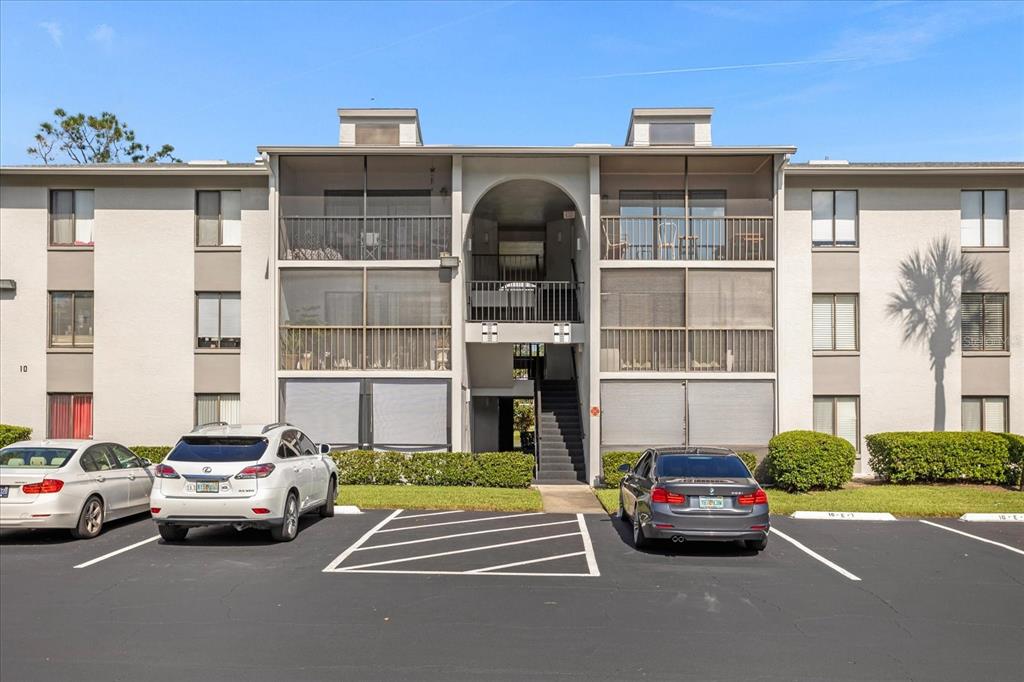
[
  {"x": 681, "y": 350},
  {"x": 371, "y": 238},
  {"x": 347, "y": 348},
  {"x": 743, "y": 238},
  {"x": 503, "y": 301}
]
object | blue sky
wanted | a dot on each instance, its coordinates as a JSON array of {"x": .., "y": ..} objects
[{"x": 893, "y": 81}]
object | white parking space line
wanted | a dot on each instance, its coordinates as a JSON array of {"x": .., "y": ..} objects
[
  {"x": 420, "y": 516},
  {"x": 366, "y": 536},
  {"x": 588, "y": 547},
  {"x": 810, "y": 552},
  {"x": 117, "y": 551},
  {"x": 524, "y": 563},
  {"x": 460, "y": 535},
  {"x": 526, "y": 574},
  {"x": 452, "y": 523},
  {"x": 973, "y": 537},
  {"x": 457, "y": 551}
]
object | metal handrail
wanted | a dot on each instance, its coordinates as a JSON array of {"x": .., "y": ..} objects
[
  {"x": 533, "y": 301},
  {"x": 391, "y": 237},
  {"x": 693, "y": 238}
]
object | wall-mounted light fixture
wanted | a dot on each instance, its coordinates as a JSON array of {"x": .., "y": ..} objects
[
  {"x": 8, "y": 285},
  {"x": 449, "y": 261}
]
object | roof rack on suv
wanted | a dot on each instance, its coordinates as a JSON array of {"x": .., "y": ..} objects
[
  {"x": 203, "y": 426},
  {"x": 270, "y": 427}
]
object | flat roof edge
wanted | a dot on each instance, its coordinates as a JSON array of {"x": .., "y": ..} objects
[
  {"x": 659, "y": 150},
  {"x": 854, "y": 169},
  {"x": 86, "y": 169}
]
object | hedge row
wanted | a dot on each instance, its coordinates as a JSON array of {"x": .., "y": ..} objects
[
  {"x": 12, "y": 434},
  {"x": 484, "y": 469},
  {"x": 1015, "y": 458},
  {"x": 610, "y": 463},
  {"x": 951, "y": 456},
  {"x": 154, "y": 453},
  {"x": 798, "y": 461}
]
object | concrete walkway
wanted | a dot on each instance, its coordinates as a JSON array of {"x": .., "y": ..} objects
[{"x": 569, "y": 499}]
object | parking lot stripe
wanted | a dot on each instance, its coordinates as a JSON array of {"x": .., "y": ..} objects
[
  {"x": 810, "y": 552},
  {"x": 366, "y": 536},
  {"x": 459, "y": 535},
  {"x": 588, "y": 546},
  {"x": 975, "y": 537},
  {"x": 452, "y": 523},
  {"x": 511, "y": 573},
  {"x": 456, "y": 551},
  {"x": 116, "y": 552},
  {"x": 524, "y": 563},
  {"x": 420, "y": 516}
]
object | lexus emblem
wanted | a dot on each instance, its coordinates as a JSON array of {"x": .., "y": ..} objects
[{"x": 207, "y": 470}]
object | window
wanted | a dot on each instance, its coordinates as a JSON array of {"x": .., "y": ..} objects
[
  {"x": 126, "y": 459},
  {"x": 834, "y": 322},
  {"x": 71, "y": 217},
  {"x": 983, "y": 217},
  {"x": 70, "y": 415},
  {"x": 379, "y": 134},
  {"x": 983, "y": 322},
  {"x": 71, "y": 319},
  {"x": 838, "y": 416},
  {"x": 834, "y": 217},
  {"x": 218, "y": 320},
  {"x": 219, "y": 218},
  {"x": 671, "y": 133},
  {"x": 217, "y": 407},
  {"x": 99, "y": 458},
  {"x": 985, "y": 414}
]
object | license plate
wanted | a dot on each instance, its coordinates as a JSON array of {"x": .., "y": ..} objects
[
  {"x": 712, "y": 502},
  {"x": 4, "y": 490},
  {"x": 207, "y": 486}
]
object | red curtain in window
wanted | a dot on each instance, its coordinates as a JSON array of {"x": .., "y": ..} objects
[
  {"x": 61, "y": 419},
  {"x": 82, "y": 408}
]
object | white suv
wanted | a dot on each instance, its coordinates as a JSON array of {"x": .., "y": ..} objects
[{"x": 242, "y": 476}]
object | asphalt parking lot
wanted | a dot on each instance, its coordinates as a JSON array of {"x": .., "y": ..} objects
[{"x": 537, "y": 596}]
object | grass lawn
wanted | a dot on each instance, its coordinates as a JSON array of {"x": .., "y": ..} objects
[
  {"x": 899, "y": 500},
  {"x": 440, "y": 497}
]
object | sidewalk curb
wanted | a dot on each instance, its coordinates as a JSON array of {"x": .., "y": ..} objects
[
  {"x": 844, "y": 516},
  {"x": 347, "y": 509},
  {"x": 994, "y": 517}
]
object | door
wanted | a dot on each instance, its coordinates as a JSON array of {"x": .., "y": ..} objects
[
  {"x": 140, "y": 478},
  {"x": 288, "y": 454},
  {"x": 109, "y": 479},
  {"x": 315, "y": 472},
  {"x": 633, "y": 482}
]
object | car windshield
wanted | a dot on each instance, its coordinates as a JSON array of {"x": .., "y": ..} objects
[
  {"x": 701, "y": 466},
  {"x": 52, "y": 458},
  {"x": 207, "y": 449}
]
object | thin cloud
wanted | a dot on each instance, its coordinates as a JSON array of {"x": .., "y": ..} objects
[
  {"x": 103, "y": 35},
  {"x": 730, "y": 67},
  {"x": 55, "y": 32}
]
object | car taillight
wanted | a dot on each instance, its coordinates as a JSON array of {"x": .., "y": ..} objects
[
  {"x": 662, "y": 495},
  {"x": 154, "y": 510},
  {"x": 165, "y": 471},
  {"x": 255, "y": 471},
  {"x": 260, "y": 510},
  {"x": 50, "y": 485},
  {"x": 757, "y": 497}
]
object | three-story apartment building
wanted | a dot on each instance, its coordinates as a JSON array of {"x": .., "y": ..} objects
[{"x": 383, "y": 293}]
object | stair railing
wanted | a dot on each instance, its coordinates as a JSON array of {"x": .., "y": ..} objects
[
  {"x": 579, "y": 408},
  {"x": 537, "y": 412}
]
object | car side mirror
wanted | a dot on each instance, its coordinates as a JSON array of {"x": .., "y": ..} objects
[
  {"x": 624, "y": 468},
  {"x": 325, "y": 449},
  {"x": 146, "y": 462}
]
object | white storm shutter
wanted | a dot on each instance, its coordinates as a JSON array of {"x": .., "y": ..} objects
[
  {"x": 970, "y": 414},
  {"x": 208, "y": 323},
  {"x": 410, "y": 414},
  {"x": 231, "y": 218},
  {"x": 85, "y": 208},
  {"x": 995, "y": 217},
  {"x": 326, "y": 410},
  {"x": 639, "y": 414},
  {"x": 846, "y": 322},
  {"x": 230, "y": 408},
  {"x": 846, "y": 218},
  {"x": 822, "y": 321},
  {"x": 846, "y": 420},
  {"x": 206, "y": 409},
  {"x": 731, "y": 413},
  {"x": 822, "y": 213},
  {"x": 995, "y": 414},
  {"x": 231, "y": 316},
  {"x": 970, "y": 218}
]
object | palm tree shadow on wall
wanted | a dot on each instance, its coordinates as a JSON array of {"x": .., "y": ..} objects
[{"x": 928, "y": 306}]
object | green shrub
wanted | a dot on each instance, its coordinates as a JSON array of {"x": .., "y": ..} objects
[
  {"x": 1015, "y": 451},
  {"x": 504, "y": 470},
  {"x": 369, "y": 467},
  {"x": 440, "y": 468},
  {"x": 906, "y": 457},
  {"x": 485, "y": 469},
  {"x": 803, "y": 460},
  {"x": 750, "y": 459},
  {"x": 610, "y": 463},
  {"x": 12, "y": 434},
  {"x": 154, "y": 453}
]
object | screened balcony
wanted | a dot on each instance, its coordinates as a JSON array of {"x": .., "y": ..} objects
[
  {"x": 400, "y": 320},
  {"x": 687, "y": 209},
  {"x": 365, "y": 208}
]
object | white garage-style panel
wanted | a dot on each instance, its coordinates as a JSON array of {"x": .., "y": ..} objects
[
  {"x": 326, "y": 409},
  {"x": 731, "y": 412},
  {"x": 410, "y": 414},
  {"x": 639, "y": 414}
]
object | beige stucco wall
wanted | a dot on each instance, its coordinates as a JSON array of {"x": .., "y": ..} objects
[
  {"x": 218, "y": 270},
  {"x": 793, "y": 326},
  {"x": 218, "y": 372},
  {"x": 1016, "y": 301},
  {"x": 69, "y": 372},
  {"x": 69, "y": 270},
  {"x": 835, "y": 272},
  {"x": 986, "y": 375},
  {"x": 259, "y": 326}
]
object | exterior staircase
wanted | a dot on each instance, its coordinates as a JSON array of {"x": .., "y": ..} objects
[{"x": 559, "y": 434}]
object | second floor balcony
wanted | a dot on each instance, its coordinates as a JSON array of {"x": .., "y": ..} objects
[
  {"x": 387, "y": 237},
  {"x": 710, "y": 238}
]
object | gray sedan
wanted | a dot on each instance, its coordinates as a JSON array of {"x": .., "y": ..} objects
[{"x": 691, "y": 493}]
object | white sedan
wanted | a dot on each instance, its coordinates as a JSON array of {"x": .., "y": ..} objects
[
  {"x": 75, "y": 484},
  {"x": 245, "y": 477}
]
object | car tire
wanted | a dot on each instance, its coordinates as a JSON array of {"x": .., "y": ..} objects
[
  {"x": 90, "y": 521},
  {"x": 640, "y": 541},
  {"x": 289, "y": 527},
  {"x": 171, "y": 533},
  {"x": 757, "y": 545},
  {"x": 327, "y": 510},
  {"x": 623, "y": 516}
]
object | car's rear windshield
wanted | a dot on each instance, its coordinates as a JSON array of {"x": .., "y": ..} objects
[
  {"x": 208, "y": 449},
  {"x": 53, "y": 458},
  {"x": 701, "y": 466}
]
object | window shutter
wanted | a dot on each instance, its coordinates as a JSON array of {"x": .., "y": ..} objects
[
  {"x": 995, "y": 217},
  {"x": 628, "y": 420},
  {"x": 823, "y": 415},
  {"x": 994, "y": 322},
  {"x": 821, "y": 322},
  {"x": 208, "y": 322},
  {"x": 206, "y": 409},
  {"x": 846, "y": 218},
  {"x": 970, "y": 409},
  {"x": 231, "y": 316},
  {"x": 821, "y": 217},
  {"x": 846, "y": 420},
  {"x": 971, "y": 312},
  {"x": 231, "y": 216},
  {"x": 995, "y": 414},
  {"x": 409, "y": 414},
  {"x": 326, "y": 410},
  {"x": 730, "y": 299},
  {"x": 230, "y": 408},
  {"x": 970, "y": 218},
  {"x": 84, "y": 216},
  {"x": 846, "y": 322},
  {"x": 729, "y": 413}
]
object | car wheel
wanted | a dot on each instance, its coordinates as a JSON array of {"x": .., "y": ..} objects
[
  {"x": 757, "y": 545},
  {"x": 327, "y": 510},
  {"x": 623, "y": 516},
  {"x": 172, "y": 533},
  {"x": 640, "y": 540},
  {"x": 289, "y": 527},
  {"x": 90, "y": 521}
]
